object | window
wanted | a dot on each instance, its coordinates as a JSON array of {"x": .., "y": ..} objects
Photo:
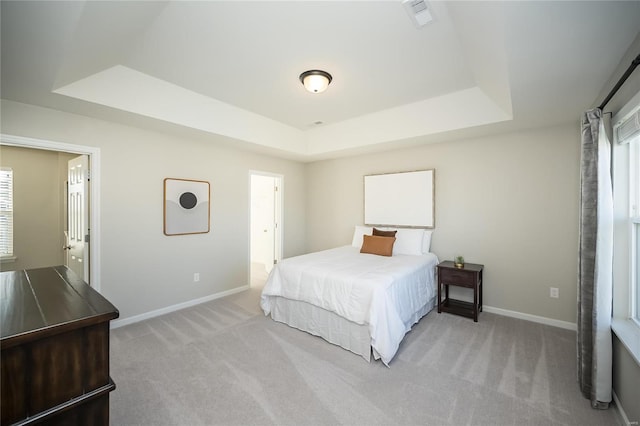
[
  {"x": 6, "y": 213},
  {"x": 626, "y": 238},
  {"x": 628, "y": 136},
  {"x": 634, "y": 219}
]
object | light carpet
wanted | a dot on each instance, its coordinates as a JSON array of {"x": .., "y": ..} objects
[{"x": 225, "y": 363}]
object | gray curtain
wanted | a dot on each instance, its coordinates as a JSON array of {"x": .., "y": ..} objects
[{"x": 595, "y": 262}]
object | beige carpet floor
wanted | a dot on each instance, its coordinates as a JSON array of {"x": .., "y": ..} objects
[{"x": 225, "y": 363}]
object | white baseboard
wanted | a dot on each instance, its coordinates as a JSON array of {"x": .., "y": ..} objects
[
  {"x": 173, "y": 308},
  {"x": 621, "y": 413},
  {"x": 499, "y": 311},
  {"x": 535, "y": 318}
]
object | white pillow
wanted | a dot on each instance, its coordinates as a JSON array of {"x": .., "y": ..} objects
[
  {"x": 408, "y": 241},
  {"x": 426, "y": 241},
  {"x": 358, "y": 233}
]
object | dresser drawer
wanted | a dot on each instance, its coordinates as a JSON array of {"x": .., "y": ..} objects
[{"x": 457, "y": 277}]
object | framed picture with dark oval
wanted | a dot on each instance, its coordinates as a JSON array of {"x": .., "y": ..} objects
[{"x": 186, "y": 206}]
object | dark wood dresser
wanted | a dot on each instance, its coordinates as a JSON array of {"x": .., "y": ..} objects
[{"x": 54, "y": 346}]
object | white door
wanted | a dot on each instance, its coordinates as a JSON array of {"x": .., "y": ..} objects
[
  {"x": 77, "y": 234},
  {"x": 265, "y": 225}
]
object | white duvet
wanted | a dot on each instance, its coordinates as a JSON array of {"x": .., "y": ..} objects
[{"x": 389, "y": 294}]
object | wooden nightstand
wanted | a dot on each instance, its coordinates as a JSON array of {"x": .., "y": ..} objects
[{"x": 469, "y": 276}]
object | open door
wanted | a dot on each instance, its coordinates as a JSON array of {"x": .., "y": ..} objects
[
  {"x": 77, "y": 234},
  {"x": 265, "y": 232}
]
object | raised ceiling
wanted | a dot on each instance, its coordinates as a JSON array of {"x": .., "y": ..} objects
[{"x": 228, "y": 70}]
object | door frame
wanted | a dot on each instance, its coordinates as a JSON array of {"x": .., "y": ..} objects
[
  {"x": 279, "y": 232},
  {"x": 94, "y": 188}
]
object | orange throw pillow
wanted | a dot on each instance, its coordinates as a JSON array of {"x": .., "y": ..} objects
[{"x": 382, "y": 246}]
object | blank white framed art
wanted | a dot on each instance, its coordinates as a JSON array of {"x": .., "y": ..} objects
[{"x": 400, "y": 199}]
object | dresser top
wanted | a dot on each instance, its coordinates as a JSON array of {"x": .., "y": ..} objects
[
  {"x": 35, "y": 303},
  {"x": 475, "y": 267}
]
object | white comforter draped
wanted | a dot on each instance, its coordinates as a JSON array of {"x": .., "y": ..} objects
[{"x": 387, "y": 293}]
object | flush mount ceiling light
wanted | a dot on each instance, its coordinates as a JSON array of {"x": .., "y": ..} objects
[{"x": 315, "y": 81}]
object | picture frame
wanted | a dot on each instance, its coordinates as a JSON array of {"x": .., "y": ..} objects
[
  {"x": 404, "y": 199},
  {"x": 186, "y": 207}
]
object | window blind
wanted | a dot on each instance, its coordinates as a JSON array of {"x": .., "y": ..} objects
[
  {"x": 6, "y": 212},
  {"x": 629, "y": 128}
]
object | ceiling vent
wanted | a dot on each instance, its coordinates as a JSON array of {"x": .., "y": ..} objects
[{"x": 419, "y": 12}]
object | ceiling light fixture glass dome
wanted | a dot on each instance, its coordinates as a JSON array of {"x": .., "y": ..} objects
[{"x": 316, "y": 81}]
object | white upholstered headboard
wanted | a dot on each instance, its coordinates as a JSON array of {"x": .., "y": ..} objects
[{"x": 400, "y": 199}]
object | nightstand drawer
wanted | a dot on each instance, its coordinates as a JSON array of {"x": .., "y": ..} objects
[{"x": 458, "y": 277}]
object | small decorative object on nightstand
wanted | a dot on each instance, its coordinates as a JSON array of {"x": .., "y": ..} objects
[
  {"x": 469, "y": 276},
  {"x": 458, "y": 262}
]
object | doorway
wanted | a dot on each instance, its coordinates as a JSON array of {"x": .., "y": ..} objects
[
  {"x": 265, "y": 227},
  {"x": 93, "y": 153}
]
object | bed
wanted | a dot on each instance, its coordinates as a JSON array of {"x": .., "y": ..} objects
[{"x": 363, "y": 302}]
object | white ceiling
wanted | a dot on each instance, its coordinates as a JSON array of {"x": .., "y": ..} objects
[{"x": 230, "y": 68}]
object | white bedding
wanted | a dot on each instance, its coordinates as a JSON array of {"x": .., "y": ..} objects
[{"x": 389, "y": 294}]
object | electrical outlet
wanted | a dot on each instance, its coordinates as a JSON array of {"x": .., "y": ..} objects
[
  {"x": 196, "y": 277},
  {"x": 554, "y": 292}
]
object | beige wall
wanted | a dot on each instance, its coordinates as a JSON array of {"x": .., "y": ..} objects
[
  {"x": 142, "y": 269},
  {"x": 509, "y": 202},
  {"x": 39, "y": 206}
]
